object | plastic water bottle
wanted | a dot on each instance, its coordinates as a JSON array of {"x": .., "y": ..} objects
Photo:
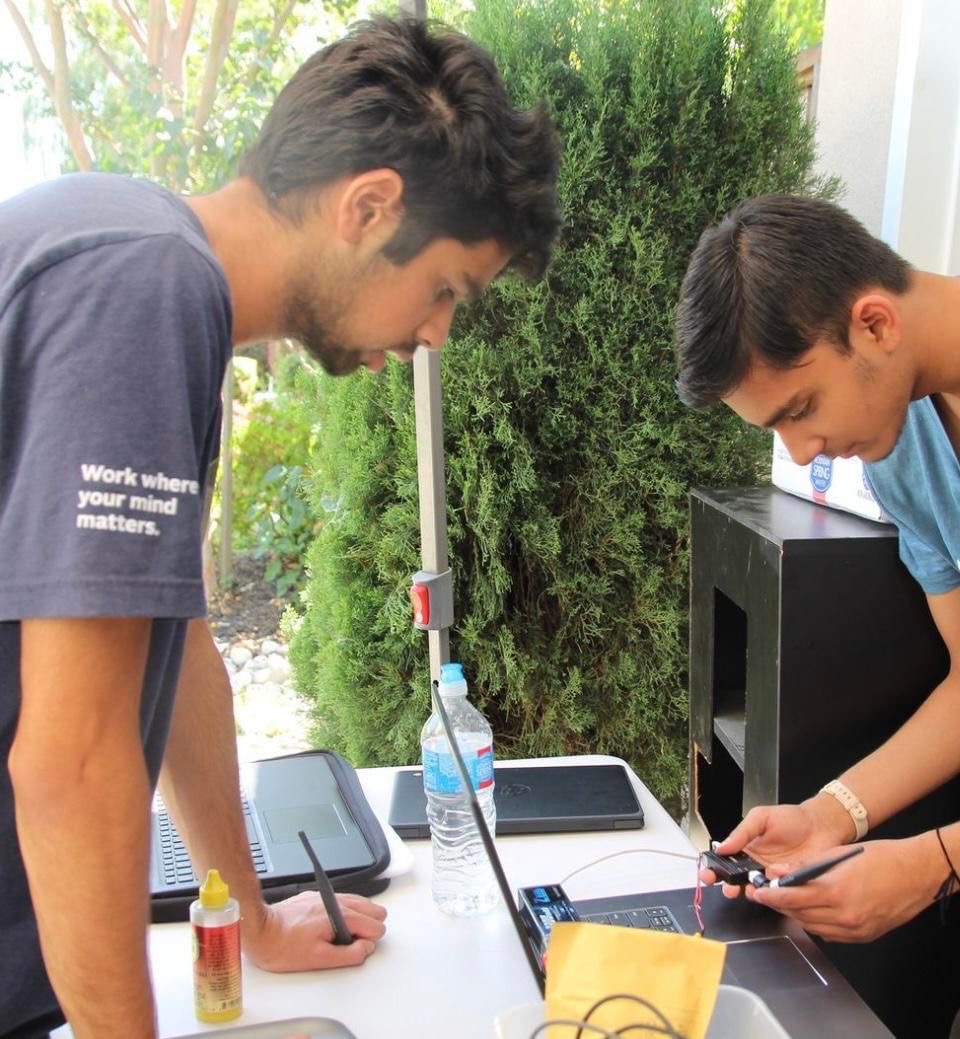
[{"x": 463, "y": 881}]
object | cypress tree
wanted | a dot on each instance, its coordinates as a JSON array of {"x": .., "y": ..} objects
[{"x": 569, "y": 458}]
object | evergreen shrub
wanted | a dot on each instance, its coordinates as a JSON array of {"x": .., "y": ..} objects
[
  {"x": 569, "y": 458},
  {"x": 272, "y": 518}
]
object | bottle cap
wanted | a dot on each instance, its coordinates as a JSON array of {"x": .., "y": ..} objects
[
  {"x": 450, "y": 673},
  {"x": 214, "y": 894},
  {"x": 452, "y": 683}
]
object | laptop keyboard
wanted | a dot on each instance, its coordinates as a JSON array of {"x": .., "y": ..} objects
[
  {"x": 174, "y": 858},
  {"x": 648, "y": 918}
]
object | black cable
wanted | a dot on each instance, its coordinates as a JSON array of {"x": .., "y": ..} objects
[
  {"x": 580, "y": 1025},
  {"x": 560, "y": 1021},
  {"x": 650, "y": 1028},
  {"x": 665, "y": 1028}
]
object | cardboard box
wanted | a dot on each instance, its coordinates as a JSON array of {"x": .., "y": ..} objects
[{"x": 837, "y": 482}]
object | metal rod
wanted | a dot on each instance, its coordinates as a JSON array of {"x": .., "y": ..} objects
[{"x": 428, "y": 400}]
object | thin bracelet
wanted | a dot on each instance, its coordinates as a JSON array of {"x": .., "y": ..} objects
[{"x": 952, "y": 875}]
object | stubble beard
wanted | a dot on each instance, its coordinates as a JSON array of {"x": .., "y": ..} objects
[
  {"x": 315, "y": 327},
  {"x": 316, "y": 320}
]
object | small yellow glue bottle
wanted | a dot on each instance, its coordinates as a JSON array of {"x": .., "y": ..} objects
[{"x": 215, "y": 918}]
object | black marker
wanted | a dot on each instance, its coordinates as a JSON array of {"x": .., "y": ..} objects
[
  {"x": 341, "y": 933},
  {"x": 801, "y": 876}
]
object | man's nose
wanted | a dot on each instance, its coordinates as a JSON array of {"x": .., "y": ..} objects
[
  {"x": 433, "y": 333},
  {"x": 803, "y": 447}
]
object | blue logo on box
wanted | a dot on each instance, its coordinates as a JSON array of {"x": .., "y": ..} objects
[{"x": 821, "y": 473}]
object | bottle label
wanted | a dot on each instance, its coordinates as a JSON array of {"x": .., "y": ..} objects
[
  {"x": 216, "y": 968},
  {"x": 440, "y": 775}
]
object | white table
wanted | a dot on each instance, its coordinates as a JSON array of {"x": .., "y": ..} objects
[{"x": 434, "y": 976}]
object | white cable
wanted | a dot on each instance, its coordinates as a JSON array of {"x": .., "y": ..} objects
[{"x": 629, "y": 851}]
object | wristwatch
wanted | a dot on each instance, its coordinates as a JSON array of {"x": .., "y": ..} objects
[{"x": 851, "y": 803}]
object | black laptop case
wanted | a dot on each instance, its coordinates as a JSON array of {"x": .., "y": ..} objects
[{"x": 174, "y": 886}]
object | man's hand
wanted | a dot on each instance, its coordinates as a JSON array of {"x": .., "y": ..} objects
[
  {"x": 785, "y": 833},
  {"x": 296, "y": 934},
  {"x": 864, "y": 898},
  {"x": 200, "y": 785}
]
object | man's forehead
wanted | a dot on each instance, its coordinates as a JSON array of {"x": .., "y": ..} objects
[
  {"x": 475, "y": 266},
  {"x": 766, "y": 395}
]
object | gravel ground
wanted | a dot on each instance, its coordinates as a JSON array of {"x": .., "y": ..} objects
[{"x": 272, "y": 718}]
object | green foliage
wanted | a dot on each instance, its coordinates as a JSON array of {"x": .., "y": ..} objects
[
  {"x": 283, "y": 525},
  {"x": 569, "y": 457},
  {"x": 271, "y": 516},
  {"x": 802, "y": 20}
]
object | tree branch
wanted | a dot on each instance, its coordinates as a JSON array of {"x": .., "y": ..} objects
[
  {"x": 38, "y": 63},
  {"x": 279, "y": 21},
  {"x": 98, "y": 48},
  {"x": 223, "y": 20},
  {"x": 61, "y": 89},
  {"x": 132, "y": 22},
  {"x": 178, "y": 37},
  {"x": 157, "y": 28},
  {"x": 181, "y": 34}
]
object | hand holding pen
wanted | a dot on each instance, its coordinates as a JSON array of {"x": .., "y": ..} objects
[
  {"x": 807, "y": 873},
  {"x": 341, "y": 933}
]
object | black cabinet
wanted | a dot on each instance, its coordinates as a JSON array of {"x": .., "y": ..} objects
[{"x": 809, "y": 645}]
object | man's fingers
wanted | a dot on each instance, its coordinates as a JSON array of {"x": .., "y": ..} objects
[
  {"x": 363, "y": 926},
  {"x": 332, "y": 956},
  {"x": 363, "y": 905},
  {"x": 732, "y": 890},
  {"x": 748, "y": 829},
  {"x": 794, "y": 900}
]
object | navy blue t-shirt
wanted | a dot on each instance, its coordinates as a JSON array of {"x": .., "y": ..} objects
[{"x": 115, "y": 331}]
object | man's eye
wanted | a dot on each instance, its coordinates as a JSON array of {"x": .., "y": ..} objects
[
  {"x": 446, "y": 293},
  {"x": 801, "y": 414}
]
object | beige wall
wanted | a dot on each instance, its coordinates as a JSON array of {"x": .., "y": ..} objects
[
  {"x": 858, "y": 66},
  {"x": 888, "y": 115}
]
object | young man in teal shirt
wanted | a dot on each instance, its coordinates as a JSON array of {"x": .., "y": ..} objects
[{"x": 800, "y": 321}]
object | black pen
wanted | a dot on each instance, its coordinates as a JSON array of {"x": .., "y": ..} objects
[
  {"x": 801, "y": 876},
  {"x": 341, "y": 933}
]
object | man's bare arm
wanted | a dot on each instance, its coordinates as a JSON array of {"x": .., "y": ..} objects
[
  {"x": 200, "y": 780},
  {"x": 200, "y": 785},
  {"x": 82, "y": 802}
]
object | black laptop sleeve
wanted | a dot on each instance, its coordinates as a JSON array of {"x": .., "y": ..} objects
[{"x": 362, "y": 879}]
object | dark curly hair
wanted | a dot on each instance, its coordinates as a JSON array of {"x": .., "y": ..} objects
[{"x": 429, "y": 103}]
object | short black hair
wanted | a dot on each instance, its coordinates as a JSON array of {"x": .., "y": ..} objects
[
  {"x": 429, "y": 103},
  {"x": 776, "y": 274}
]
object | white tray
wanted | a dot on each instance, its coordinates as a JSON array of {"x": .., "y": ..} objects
[{"x": 739, "y": 1014}]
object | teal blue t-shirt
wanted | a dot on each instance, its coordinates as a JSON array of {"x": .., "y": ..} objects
[{"x": 918, "y": 486}]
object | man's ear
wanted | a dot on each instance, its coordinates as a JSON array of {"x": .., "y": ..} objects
[
  {"x": 875, "y": 321},
  {"x": 371, "y": 203}
]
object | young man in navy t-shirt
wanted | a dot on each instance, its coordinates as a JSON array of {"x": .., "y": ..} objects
[{"x": 392, "y": 179}]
